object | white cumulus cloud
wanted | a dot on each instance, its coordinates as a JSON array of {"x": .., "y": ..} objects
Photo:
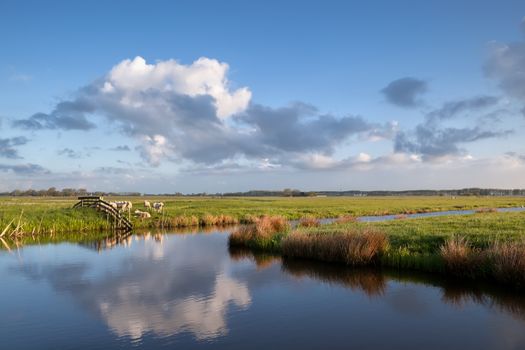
[{"x": 203, "y": 77}]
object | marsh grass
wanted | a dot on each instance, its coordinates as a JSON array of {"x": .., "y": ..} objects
[
  {"x": 52, "y": 221},
  {"x": 508, "y": 262},
  {"x": 486, "y": 210},
  {"x": 461, "y": 259},
  {"x": 500, "y": 261},
  {"x": 355, "y": 247},
  {"x": 265, "y": 233},
  {"x": 309, "y": 221},
  {"x": 346, "y": 219}
]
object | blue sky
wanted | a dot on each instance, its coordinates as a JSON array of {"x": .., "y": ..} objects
[{"x": 313, "y": 109}]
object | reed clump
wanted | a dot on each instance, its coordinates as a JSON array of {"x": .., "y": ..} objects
[
  {"x": 309, "y": 221},
  {"x": 508, "y": 262},
  {"x": 486, "y": 210},
  {"x": 346, "y": 219},
  {"x": 461, "y": 259},
  {"x": 500, "y": 261},
  {"x": 211, "y": 220},
  {"x": 266, "y": 232},
  {"x": 355, "y": 247},
  {"x": 176, "y": 221}
]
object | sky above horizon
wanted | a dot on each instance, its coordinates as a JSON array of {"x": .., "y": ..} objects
[{"x": 208, "y": 96}]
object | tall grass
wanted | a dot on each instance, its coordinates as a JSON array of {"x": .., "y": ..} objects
[
  {"x": 508, "y": 262},
  {"x": 500, "y": 261},
  {"x": 486, "y": 210},
  {"x": 345, "y": 219},
  {"x": 265, "y": 233},
  {"x": 53, "y": 221},
  {"x": 357, "y": 247},
  {"x": 309, "y": 221},
  {"x": 461, "y": 259}
]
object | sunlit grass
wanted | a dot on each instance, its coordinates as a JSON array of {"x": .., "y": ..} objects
[{"x": 53, "y": 214}]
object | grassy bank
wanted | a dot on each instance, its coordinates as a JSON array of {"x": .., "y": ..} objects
[
  {"x": 489, "y": 246},
  {"x": 53, "y": 215}
]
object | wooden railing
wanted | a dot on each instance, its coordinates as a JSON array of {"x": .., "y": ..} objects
[{"x": 120, "y": 222}]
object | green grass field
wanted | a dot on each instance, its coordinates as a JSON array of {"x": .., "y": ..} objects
[
  {"x": 54, "y": 214},
  {"x": 52, "y": 219}
]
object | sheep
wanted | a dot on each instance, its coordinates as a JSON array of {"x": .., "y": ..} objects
[
  {"x": 114, "y": 205},
  {"x": 123, "y": 205},
  {"x": 158, "y": 206},
  {"x": 142, "y": 214},
  {"x": 147, "y": 205}
]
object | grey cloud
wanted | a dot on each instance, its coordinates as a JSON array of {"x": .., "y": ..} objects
[
  {"x": 515, "y": 155},
  {"x": 68, "y": 152},
  {"x": 299, "y": 129},
  {"x": 171, "y": 126},
  {"x": 405, "y": 92},
  {"x": 8, "y": 146},
  {"x": 112, "y": 170},
  {"x": 430, "y": 141},
  {"x": 452, "y": 109},
  {"x": 495, "y": 116},
  {"x": 506, "y": 64},
  {"x": 24, "y": 169},
  {"x": 67, "y": 115},
  {"x": 122, "y": 148},
  {"x": 222, "y": 168}
]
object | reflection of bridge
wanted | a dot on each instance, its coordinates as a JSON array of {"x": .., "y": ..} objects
[
  {"x": 120, "y": 238},
  {"x": 109, "y": 242},
  {"x": 120, "y": 222}
]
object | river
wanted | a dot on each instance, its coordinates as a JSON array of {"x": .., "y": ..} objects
[{"x": 190, "y": 291}]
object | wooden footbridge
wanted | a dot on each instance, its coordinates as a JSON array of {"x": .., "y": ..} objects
[{"x": 120, "y": 222}]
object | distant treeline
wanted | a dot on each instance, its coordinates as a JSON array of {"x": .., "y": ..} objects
[
  {"x": 72, "y": 192},
  {"x": 66, "y": 192},
  {"x": 458, "y": 192}
]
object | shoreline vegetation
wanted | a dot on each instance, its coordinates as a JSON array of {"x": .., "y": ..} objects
[
  {"x": 485, "y": 246},
  {"x": 54, "y": 215}
]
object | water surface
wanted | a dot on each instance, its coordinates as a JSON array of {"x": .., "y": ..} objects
[{"x": 190, "y": 291}]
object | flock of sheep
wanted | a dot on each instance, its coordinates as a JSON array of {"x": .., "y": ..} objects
[{"x": 127, "y": 206}]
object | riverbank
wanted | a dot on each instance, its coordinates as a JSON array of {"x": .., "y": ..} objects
[
  {"x": 53, "y": 215},
  {"x": 482, "y": 246}
]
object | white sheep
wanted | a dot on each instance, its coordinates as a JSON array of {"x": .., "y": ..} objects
[
  {"x": 158, "y": 206},
  {"x": 147, "y": 205},
  {"x": 123, "y": 205},
  {"x": 142, "y": 214}
]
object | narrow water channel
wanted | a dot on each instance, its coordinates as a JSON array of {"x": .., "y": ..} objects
[{"x": 190, "y": 291}]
